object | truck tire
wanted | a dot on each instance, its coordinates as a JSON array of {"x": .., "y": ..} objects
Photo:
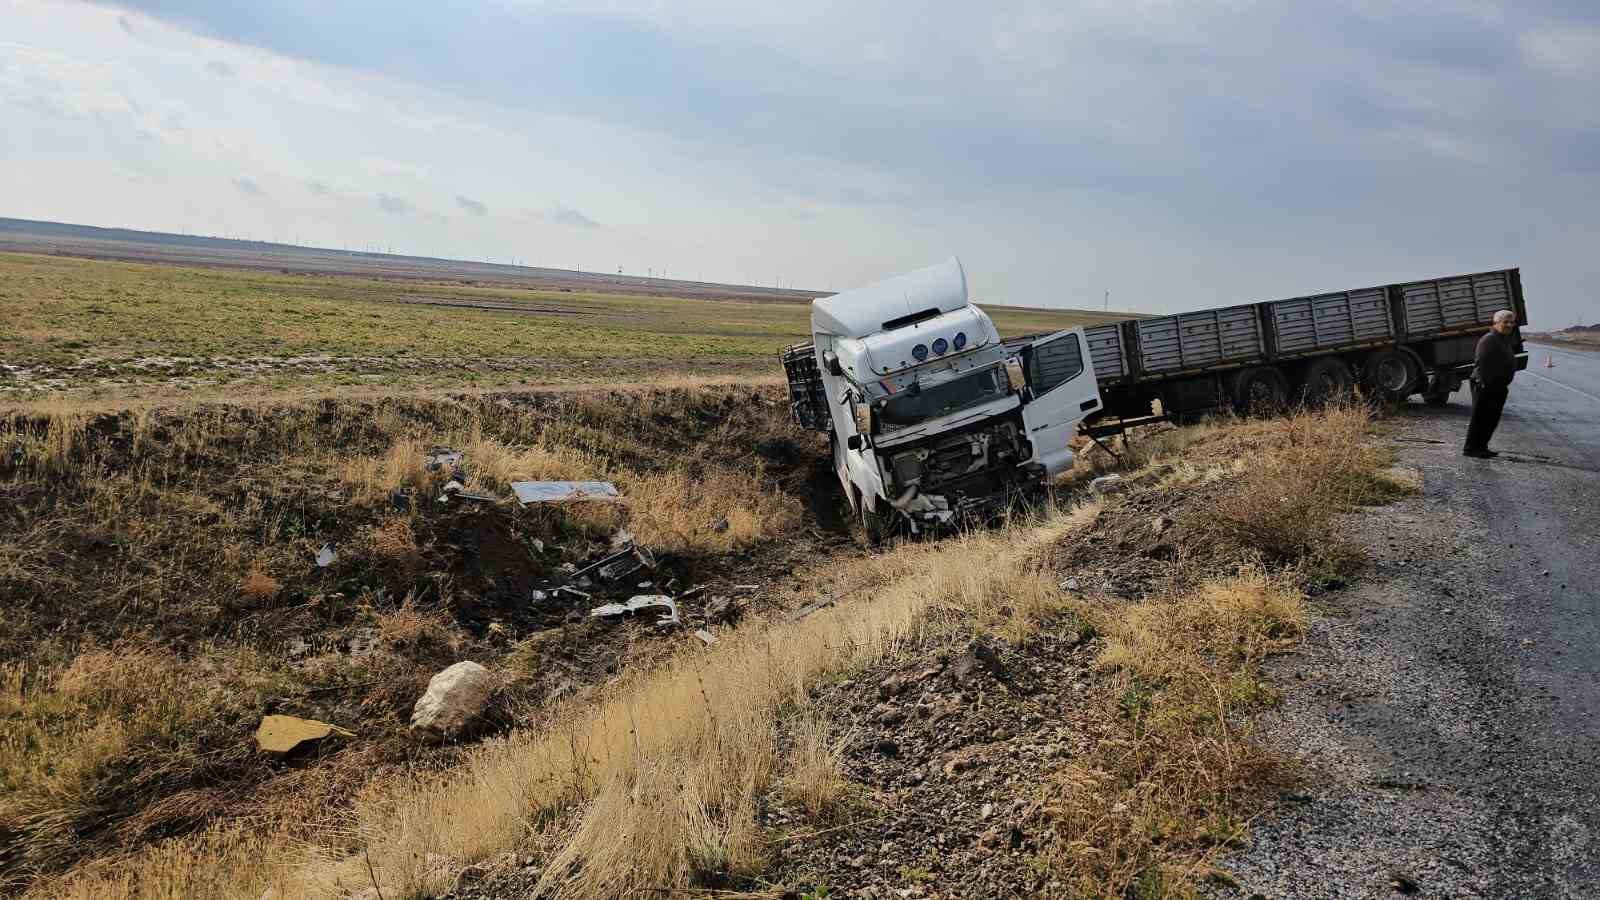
[
  {"x": 1391, "y": 374},
  {"x": 873, "y": 527},
  {"x": 1326, "y": 379},
  {"x": 1259, "y": 390}
]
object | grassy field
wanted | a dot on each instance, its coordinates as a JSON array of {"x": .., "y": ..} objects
[{"x": 125, "y": 328}]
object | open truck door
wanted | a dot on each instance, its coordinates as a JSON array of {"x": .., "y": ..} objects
[{"x": 1060, "y": 392}]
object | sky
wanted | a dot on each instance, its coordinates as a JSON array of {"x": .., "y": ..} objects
[{"x": 1177, "y": 154}]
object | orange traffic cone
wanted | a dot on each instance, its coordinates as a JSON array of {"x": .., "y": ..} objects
[{"x": 1549, "y": 361}]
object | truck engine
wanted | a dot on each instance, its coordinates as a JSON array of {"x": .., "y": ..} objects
[{"x": 959, "y": 472}]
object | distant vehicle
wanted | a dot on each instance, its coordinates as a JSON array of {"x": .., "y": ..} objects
[{"x": 932, "y": 417}]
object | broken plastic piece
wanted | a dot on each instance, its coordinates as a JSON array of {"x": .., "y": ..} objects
[
  {"x": 281, "y": 734},
  {"x": 529, "y": 492},
  {"x": 618, "y": 564},
  {"x": 439, "y": 457},
  {"x": 536, "y": 596},
  {"x": 326, "y": 556},
  {"x": 573, "y": 591},
  {"x": 705, "y": 637},
  {"x": 638, "y": 602}
]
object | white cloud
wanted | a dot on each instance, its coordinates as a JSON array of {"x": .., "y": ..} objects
[
  {"x": 1567, "y": 50},
  {"x": 1175, "y": 153}
]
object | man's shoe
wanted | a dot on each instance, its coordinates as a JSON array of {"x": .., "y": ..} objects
[
  {"x": 1478, "y": 454},
  {"x": 1490, "y": 453}
]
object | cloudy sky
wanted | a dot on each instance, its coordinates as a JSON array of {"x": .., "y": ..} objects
[{"x": 1177, "y": 154}]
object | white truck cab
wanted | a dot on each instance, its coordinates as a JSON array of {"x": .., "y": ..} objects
[{"x": 931, "y": 416}]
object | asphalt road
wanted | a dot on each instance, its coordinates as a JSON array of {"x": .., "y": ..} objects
[{"x": 1447, "y": 704}]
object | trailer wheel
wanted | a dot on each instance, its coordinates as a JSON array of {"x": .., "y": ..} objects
[
  {"x": 1326, "y": 379},
  {"x": 1391, "y": 374},
  {"x": 1260, "y": 390}
]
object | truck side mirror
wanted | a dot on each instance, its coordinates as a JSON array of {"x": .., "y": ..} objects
[{"x": 853, "y": 442}]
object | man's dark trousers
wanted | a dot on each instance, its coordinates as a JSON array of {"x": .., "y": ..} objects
[{"x": 1488, "y": 400}]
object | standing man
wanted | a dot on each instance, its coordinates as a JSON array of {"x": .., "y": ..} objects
[{"x": 1495, "y": 364}]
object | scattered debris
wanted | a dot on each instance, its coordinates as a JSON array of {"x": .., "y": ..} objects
[
  {"x": 456, "y": 489},
  {"x": 722, "y": 610},
  {"x": 746, "y": 587},
  {"x": 400, "y": 499},
  {"x": 581, "y": 595},
  {"x": 530, "y": 492},
  {"x": 536, "y": 595},
  {"x": 705, "y": 637},
  {"x": 720, "y": 525},
  {"x": 439, "y": 457},
  {"x": 1071, "y": 584},
  {"x": 618, "y": 565},
  {"x": 812, "y": 607},
  {"x": 326, "y": 556},
  {"x": 279, "y": 735},
  {"x": 1106, "y": 484},
  {"x": 538, "y": 545},
  {"x": 638, "y": 602},
  {"x": 453, "y": 697}
]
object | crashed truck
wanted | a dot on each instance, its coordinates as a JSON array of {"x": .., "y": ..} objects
[{"x": 932, "y": 416}]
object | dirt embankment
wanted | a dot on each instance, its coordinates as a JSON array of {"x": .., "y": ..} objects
[{"x": 164, "y": 591}]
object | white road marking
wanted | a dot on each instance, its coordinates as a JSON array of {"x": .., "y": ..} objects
[{"x": 1566, "y": 387}]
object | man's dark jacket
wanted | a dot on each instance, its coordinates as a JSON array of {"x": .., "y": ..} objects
[{"x": 1496, "y": 360}]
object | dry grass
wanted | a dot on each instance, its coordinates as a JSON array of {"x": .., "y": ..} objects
[
  {"x": 189, "y": 534},
  {"x": 675, "y": 511},
  {"x": 258, "y": 586},
  {"x": 1181, "y": 769},
  {"x": 69, "y": 732},
  {"x": 1146, "y": 813},
  {"x": 662, "y": 776},
  {"x": 1315, "y": 465},
  {"x": 815, "y": 779}
]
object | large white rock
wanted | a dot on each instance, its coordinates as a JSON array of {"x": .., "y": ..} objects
[{"x": 454, "y": 696}]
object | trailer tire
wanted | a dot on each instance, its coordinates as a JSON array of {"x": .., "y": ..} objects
[
  {"x": 1391, "y": 374},
  {"x": 1259, "y": 390},
  {"x": 1326, "y": 379}
]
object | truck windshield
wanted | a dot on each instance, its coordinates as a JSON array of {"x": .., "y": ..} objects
[{"x": 909, "y": 407}]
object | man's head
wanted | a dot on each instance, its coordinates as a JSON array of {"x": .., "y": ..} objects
[{"x": 1504, "y": 321}]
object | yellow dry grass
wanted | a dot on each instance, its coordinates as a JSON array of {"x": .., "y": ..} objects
[
  {"x": 815, "y": 777},
  {"x": 661, "y": 776}
]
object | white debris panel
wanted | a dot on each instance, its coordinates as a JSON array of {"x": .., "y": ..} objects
[{"x": 530, "y": 492}]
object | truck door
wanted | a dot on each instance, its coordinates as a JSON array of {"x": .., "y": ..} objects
[{"x": 1061, "y": 391}]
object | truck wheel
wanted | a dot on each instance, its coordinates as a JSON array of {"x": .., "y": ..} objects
[
  {"x": 1391, "y": 374},
  {"x": 1326, "y": 379},
  {"x": 873, "y": 528},
  {"x": 1260, "y": 391}
]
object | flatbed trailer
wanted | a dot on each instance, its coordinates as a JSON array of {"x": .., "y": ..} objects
[{"x": 1393, "y": 341}]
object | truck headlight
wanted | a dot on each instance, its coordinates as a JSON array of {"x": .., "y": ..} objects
[{"x": 1014, "y": 374}]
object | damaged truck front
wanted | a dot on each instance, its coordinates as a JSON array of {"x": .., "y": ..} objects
[{"x": 931, "y": 418}]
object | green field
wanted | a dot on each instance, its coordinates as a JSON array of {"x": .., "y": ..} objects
[{"x": 113, "y": 328}]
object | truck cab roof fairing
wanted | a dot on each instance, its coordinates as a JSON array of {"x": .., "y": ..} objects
[{"x": 861, "y": 311}]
